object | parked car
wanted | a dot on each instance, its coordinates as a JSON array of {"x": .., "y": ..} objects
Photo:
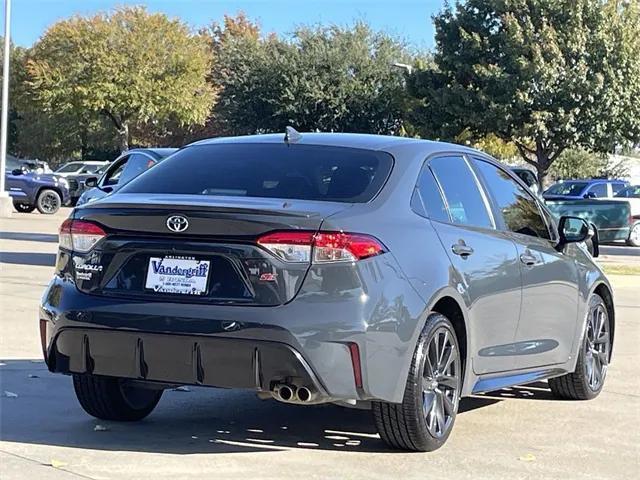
[
  {"x": 588, "y": 188},
  {"x": 76, "y": 172},
  {"x": 30, "y": 190},
  {"x": 611, "y": 218},
  {"x": 382, "y": 272},
  {"x": 528, "y": 177},
  {"x": 631, "y": 194},
  {"x": 75, "y": 168},
  {"x": 77, "y": 182},
  {"x": 121, "y": 171}
]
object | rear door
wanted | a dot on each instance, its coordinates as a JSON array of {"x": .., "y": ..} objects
[
  {"x": 549, "y": 279},
  {"x": 485, "y": 261}
]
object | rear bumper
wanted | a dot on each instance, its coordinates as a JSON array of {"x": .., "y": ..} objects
[
  {"x": 310, "y": 339},
  {"x": 181, "y": 359}
]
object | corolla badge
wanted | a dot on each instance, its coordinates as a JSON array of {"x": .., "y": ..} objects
[{"x": 177, "y": 223}]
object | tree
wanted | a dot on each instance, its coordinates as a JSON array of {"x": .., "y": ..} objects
[
  {"x": 545, "y": 74},
  {"x": 579, "y": 163},
  {"x": 327, "y": 79},
  {"x": 17, "y": 58},
  {"x": 131, "y": 67}
]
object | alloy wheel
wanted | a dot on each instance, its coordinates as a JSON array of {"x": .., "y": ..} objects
[
  {"x": 440, "y": 382},
  {"x": 634, "y": 235},
  {"x": 597, "y": 346},
  {"x": 49, "y": 202}
]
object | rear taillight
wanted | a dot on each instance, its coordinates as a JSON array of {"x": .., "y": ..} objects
[
  {"x": 322, "y": 247},
  {"x": 80, "y": 236}
]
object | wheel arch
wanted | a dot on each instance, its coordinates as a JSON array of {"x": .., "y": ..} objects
[
  {"x": 452, "y": 308},
  {"x": 47, "y": 187},
  {"x": 605, "y": 292}
]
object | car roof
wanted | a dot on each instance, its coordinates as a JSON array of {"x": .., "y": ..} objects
[
  {"x": 346, "y": 140},
  {"x": 157, "y": 152}
]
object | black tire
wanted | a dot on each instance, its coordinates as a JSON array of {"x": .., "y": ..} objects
[
  {"x": 110, "y": 398},
  {"x": 404, "y": 426},
  {"x": 48, "y": 201},
  {"x": 576, "y": 385},
  {"x": 24, "y": 207},
  {"x": 634, "y": 235}
]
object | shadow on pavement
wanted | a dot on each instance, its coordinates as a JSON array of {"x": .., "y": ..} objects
[
  {"x": 46, "y": 412},
  {"x": 532, "y": 391},
  {"x": 29, "y": 237},
  {"x": 22, "y": 258}
]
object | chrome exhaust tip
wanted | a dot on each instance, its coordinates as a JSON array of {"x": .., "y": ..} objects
[
  {"x": 304, "y": 394},
  {"x": 284, "y": 393}
]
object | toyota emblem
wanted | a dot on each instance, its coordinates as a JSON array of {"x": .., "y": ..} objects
[{"x": 177, "y": 223}]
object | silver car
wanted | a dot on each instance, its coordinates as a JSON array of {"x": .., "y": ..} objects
[{"x": 378, "y": 272}]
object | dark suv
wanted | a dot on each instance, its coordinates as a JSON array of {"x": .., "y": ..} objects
[{"x": 30, "y": 190}]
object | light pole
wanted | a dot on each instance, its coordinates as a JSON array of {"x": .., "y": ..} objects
[{"x": 5, "y": 200}]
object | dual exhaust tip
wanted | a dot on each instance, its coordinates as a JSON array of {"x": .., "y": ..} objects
[{"x": 293, "y": 394}]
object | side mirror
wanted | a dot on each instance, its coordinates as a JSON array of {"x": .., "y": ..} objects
[
  {"x": 91, "y": 182},
  {"x": 590, "y": 195},
  {"x": 573, "y": 230},
  {"x": 17, "y": 171}
]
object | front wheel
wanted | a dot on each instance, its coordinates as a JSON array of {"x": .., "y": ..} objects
[
  {"x": 24, "y": 207},
  {"x": 110, "y": 398},
  {"x": 48, "y": 201},
  {"x": 425, "y": 418},
  {"x": 587, "y": 380},
  {"x": 634, "y": 235}
]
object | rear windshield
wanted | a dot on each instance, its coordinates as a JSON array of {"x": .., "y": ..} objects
[
  {"x": 567, "y": 188},
  {"x": 304, "y": 172}
]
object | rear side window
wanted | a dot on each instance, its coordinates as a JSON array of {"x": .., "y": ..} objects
[
  {"x": 617, "y": 187},
  {"x": 137, "y": 164},
  {"x": 519, "y": 211},
  {"x": 304, "y": 172},
  {"x": 461, "y": 191},
  {"x": 599, "y": 190},
  {"x": 429, "y": 193}
]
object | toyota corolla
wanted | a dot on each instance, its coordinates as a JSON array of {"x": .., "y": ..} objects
[{"x": 386, "y": 273}]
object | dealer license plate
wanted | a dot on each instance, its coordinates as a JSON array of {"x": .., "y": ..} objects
[{"x": 182, "y": 275}]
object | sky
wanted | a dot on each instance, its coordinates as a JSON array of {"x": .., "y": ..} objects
[{"x": 409, "y": 20}]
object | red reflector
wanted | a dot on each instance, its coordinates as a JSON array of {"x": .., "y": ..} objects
[{"x": 355, "y": 362}]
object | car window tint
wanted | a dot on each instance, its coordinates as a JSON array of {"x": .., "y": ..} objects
[
  {"x": 519, "y": 211},
  {"x": 12, "y": 165},
  {"x": 137, "y": 164},
  {"x": 464, "y": 200},
  {"x": 278, "y": 170},
  {"x": 617, "y": 187},
  {"x": 566, "y": 188},
  {"x": 69, "y": 168},
  {"x": 599, "y": 190},
  {"x": 113, "y": 176},
  {"x": 433, "y": 204}
]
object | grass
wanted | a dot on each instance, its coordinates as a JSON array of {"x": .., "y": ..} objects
[{"x": 617, "y": 269}]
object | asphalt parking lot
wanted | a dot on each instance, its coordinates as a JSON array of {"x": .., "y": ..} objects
[{"x": 516, "y": 433}]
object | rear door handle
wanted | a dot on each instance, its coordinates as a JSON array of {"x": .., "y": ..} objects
[
  {"x": 461, "y": 249},
  {"x": 528, "y": 259}
]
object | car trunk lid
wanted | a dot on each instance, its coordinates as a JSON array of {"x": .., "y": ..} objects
[{"x": 141, "y": 257}]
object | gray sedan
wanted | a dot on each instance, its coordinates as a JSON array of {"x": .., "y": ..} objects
[{"x": 378, "y": 272}]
